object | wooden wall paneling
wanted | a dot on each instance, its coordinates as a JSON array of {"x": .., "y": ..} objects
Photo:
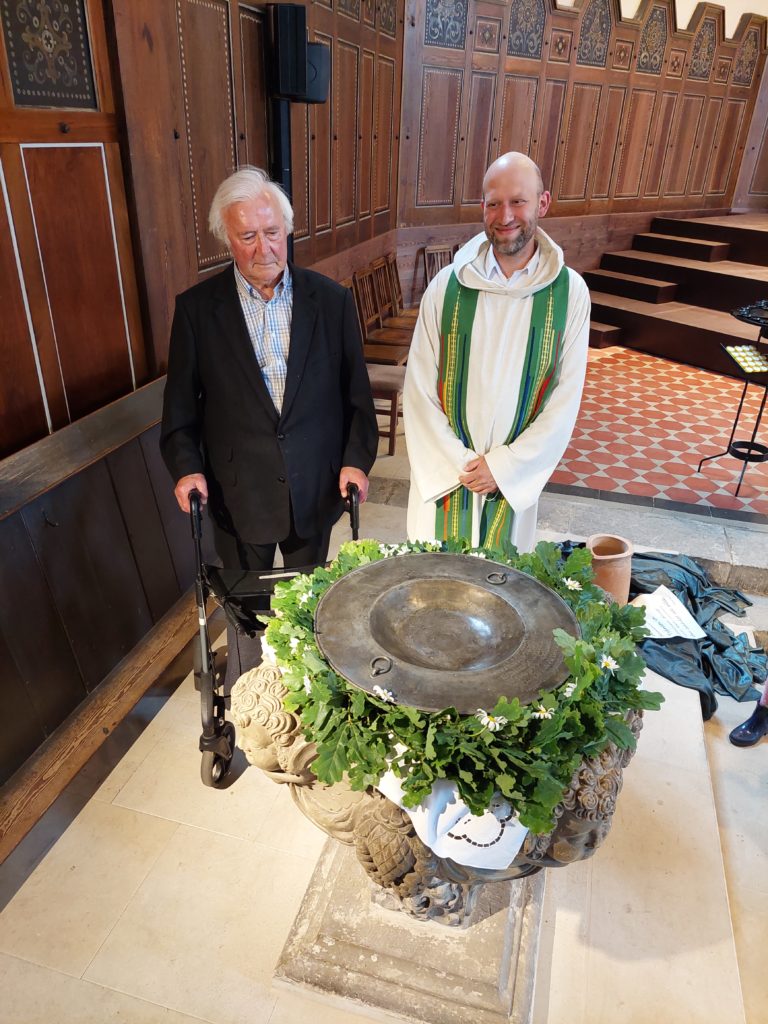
[
  {"x": 24, "y": 416},
  {"x": 439, "y": 136},
  {"x": 580, "y": 141},
  {"x": 725, "y": 146},
  {"x": 384, "y": 151},
  {"x": 301, "y": 173},
  {"x": 20, "y": 732},
  {"x": 633, "y": 143},
  {"x": 36, "y": 638},
  {"x": 144, "y": 527},
  {"x": 680, "y": 150},
  {"x": 366, "y": 133},
  {"x": 81, "y": 543},
  {"x": 548, "y": 130},
  {"x": 321, "y": 169},
  {"x": 75, "y": 231},
  {"x": 477, "y": 153},
  {"x": 253, "y": 87},
  {"x": 518, "y": 112},
  {"x": 612, "y": 106},
  {"x": 704, "y": 147},
  {"x": 206, "y": 68},
  {"x": 661, "y": 141},
  {"x": 758, "y": 186},
  {"x": 346, "y": 83}
]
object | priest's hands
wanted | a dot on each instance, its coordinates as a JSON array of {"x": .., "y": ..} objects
[{"x": 477, "y": 477}]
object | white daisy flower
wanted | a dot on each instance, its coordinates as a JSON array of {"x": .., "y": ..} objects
[
  {"x": 386, "y": 695},
  {"x": 541, "y": 712},
  {"x": 568, "y": 689},
  {"x": 477, "y": 554},
  {"x": 608, "y": 662},
  {"x": 304, "y": 599},
  {"x": 294, "y": 644},
  {"x": 307, "y": 685},
  {"x": 491, "y": 722},
  {"x": 571, "y": 583},
  {"x": 268, "y": 653}
]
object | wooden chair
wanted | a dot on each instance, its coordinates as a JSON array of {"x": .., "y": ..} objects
[
  {"x": 435, "y": 258},
  {"x": 387, "y": 385},
  {"x": 397, "y": 288},
  {"x": 389, "y": 355},
  {"x": 385, "y": 298},
  {"x": 370, "y": 319}
]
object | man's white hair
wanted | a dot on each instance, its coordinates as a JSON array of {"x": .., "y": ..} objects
[{"x": 242, "y": 186}]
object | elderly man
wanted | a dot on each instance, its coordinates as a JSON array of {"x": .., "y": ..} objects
[
  {"x": 495, "y": 371},
  {"x": 268, "y": 410}
]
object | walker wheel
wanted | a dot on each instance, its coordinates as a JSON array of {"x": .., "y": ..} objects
[{"x": 213, "y": 767}]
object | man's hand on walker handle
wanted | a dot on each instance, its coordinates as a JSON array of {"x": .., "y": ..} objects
[
  {"x": 187, "y": 484},
  {"x": 352, "y": 475}
]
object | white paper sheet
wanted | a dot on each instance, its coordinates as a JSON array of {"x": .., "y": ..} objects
[{"x": 666, "y": 616}]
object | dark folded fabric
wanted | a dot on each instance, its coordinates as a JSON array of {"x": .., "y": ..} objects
[{"x": 722, "y": 662}]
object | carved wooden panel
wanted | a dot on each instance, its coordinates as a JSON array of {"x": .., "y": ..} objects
[
  {"x": 477, "y": 154},
  {"x": 610, "y": 122},
  {"x": 680, "y": 150},
  {"x": 726, "y": 141},
  {"x": 579, "y": 141},
  {"x": 320, "y": 151},
  {"x": 383, "y": 134},
  {"x": 549, "y": 129},
  {"x": 438, "y": 135},
  {"x": 660, "y": 143},
  {"x": 703, "y": 149},
  {"x": 633, "y": 143},
  {"x": 254, "y": 89},
  {"x": 445, "y": 24},
  {"x": 345, "y": 130},
  {"x": 23, "y": 413},
  {"x": 366, "y": 132},
  {"x": 204, "y": 47},
  {"x": 518, "y": 109},
  {"x": 759, "y": 183},
  {"x": 300, "y": 176},
  {"x": 69, "y": 194}
]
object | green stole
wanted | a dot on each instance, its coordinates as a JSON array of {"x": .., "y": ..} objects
[{"x": 541, "y": 371}]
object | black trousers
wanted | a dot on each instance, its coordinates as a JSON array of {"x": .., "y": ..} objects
[{"x": 236, "y": 553}]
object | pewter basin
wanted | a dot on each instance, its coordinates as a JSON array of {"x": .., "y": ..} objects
[{"x": 440, "y": 630}]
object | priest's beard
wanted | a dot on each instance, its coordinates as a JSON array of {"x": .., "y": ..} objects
[{"x": 512, "y": 246}]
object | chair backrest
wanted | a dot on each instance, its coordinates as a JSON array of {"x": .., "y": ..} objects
[
  {"x": 435, "y": 258},
  {"x": 348, "y": 283},
  {"x": 395, "y": 285},
  {"x": 366, "y": 299},
  {"x": 382, "y": 286}
]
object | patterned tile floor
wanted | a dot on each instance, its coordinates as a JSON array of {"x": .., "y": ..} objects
[{"x": 643, "y": 426}]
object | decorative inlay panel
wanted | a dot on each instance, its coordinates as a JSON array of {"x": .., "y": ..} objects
[
  {"x": 608, "y": 133},
  {"x": 622, "y": 54},
  {"x": 446, "y": 23},
  {"x": 663, "y": 128},
  {"x": 369, "y": 13},
  {"x": 438, "y": 135},
  {"x": 579, "y": 139},
  {"x": 549, "y": 129},
  {"x": 388, "y": 17},
  {"x": 487, "y": 34},
  {"x": 526, "y": 29},
  {"x": 746, "y": 58},
  {"x": 634, "y": 142},
  {"x": 726, "y": 141},
  {"x": 49, "y": 56},
  {"x": 653, "y": 42},
  {"x": 345, "y": 132},
  {"x": 518, "y": 107},
  {"x": 320, "y": 153},
  {"x": 722, "y": 70},
  {"x": 759, "y": 184},
  {"x": 560, "y": 46},
  {"x": 703, "y": 149},
  {"x": 477, "y": 152},
  {"x": 350, "y": 8},
  {"x": 595, "y": 34},
  {"x": 367, "y": 131},
  {"x": 680, "y": 150},
  {"x": 300, "y": 169},
  {"x": 703, "y": 53},
  {"x": 676, "y": 63},
  {"x": 384, "y": 132}
]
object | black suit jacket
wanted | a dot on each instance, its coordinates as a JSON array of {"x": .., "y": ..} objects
[{"x": 219, "y": 419}]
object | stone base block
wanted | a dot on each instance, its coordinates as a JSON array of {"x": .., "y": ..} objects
[{"x": 346, "y": 945}]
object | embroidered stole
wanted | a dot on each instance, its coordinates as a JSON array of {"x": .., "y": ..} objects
[{"x": 540, "y": 375}]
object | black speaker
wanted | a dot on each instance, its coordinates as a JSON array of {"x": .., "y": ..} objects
[{"x": 297, "y": 70}]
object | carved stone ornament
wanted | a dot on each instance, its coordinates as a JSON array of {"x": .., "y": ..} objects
[{"x": 424, "y": 885}]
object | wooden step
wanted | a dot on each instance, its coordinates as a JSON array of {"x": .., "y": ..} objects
[
  {"x": 646, "y": 288},
  {"x": 603, "y": 335},
  {"x": 723, "y": 285},
  {"x": 674, "y": 330},
  {"x": 388, "y": 355},
  {"x": 746, "y": 233},
  {"x": 698, "y": 249}
]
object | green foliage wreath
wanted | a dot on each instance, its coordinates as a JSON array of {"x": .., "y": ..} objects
[{"x": 527, "y": 752}]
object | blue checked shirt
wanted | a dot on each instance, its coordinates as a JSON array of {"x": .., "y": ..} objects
[{"x": 269, "y": 328}]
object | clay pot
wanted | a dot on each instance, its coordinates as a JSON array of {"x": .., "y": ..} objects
[{"x": 612, "y": 564}]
